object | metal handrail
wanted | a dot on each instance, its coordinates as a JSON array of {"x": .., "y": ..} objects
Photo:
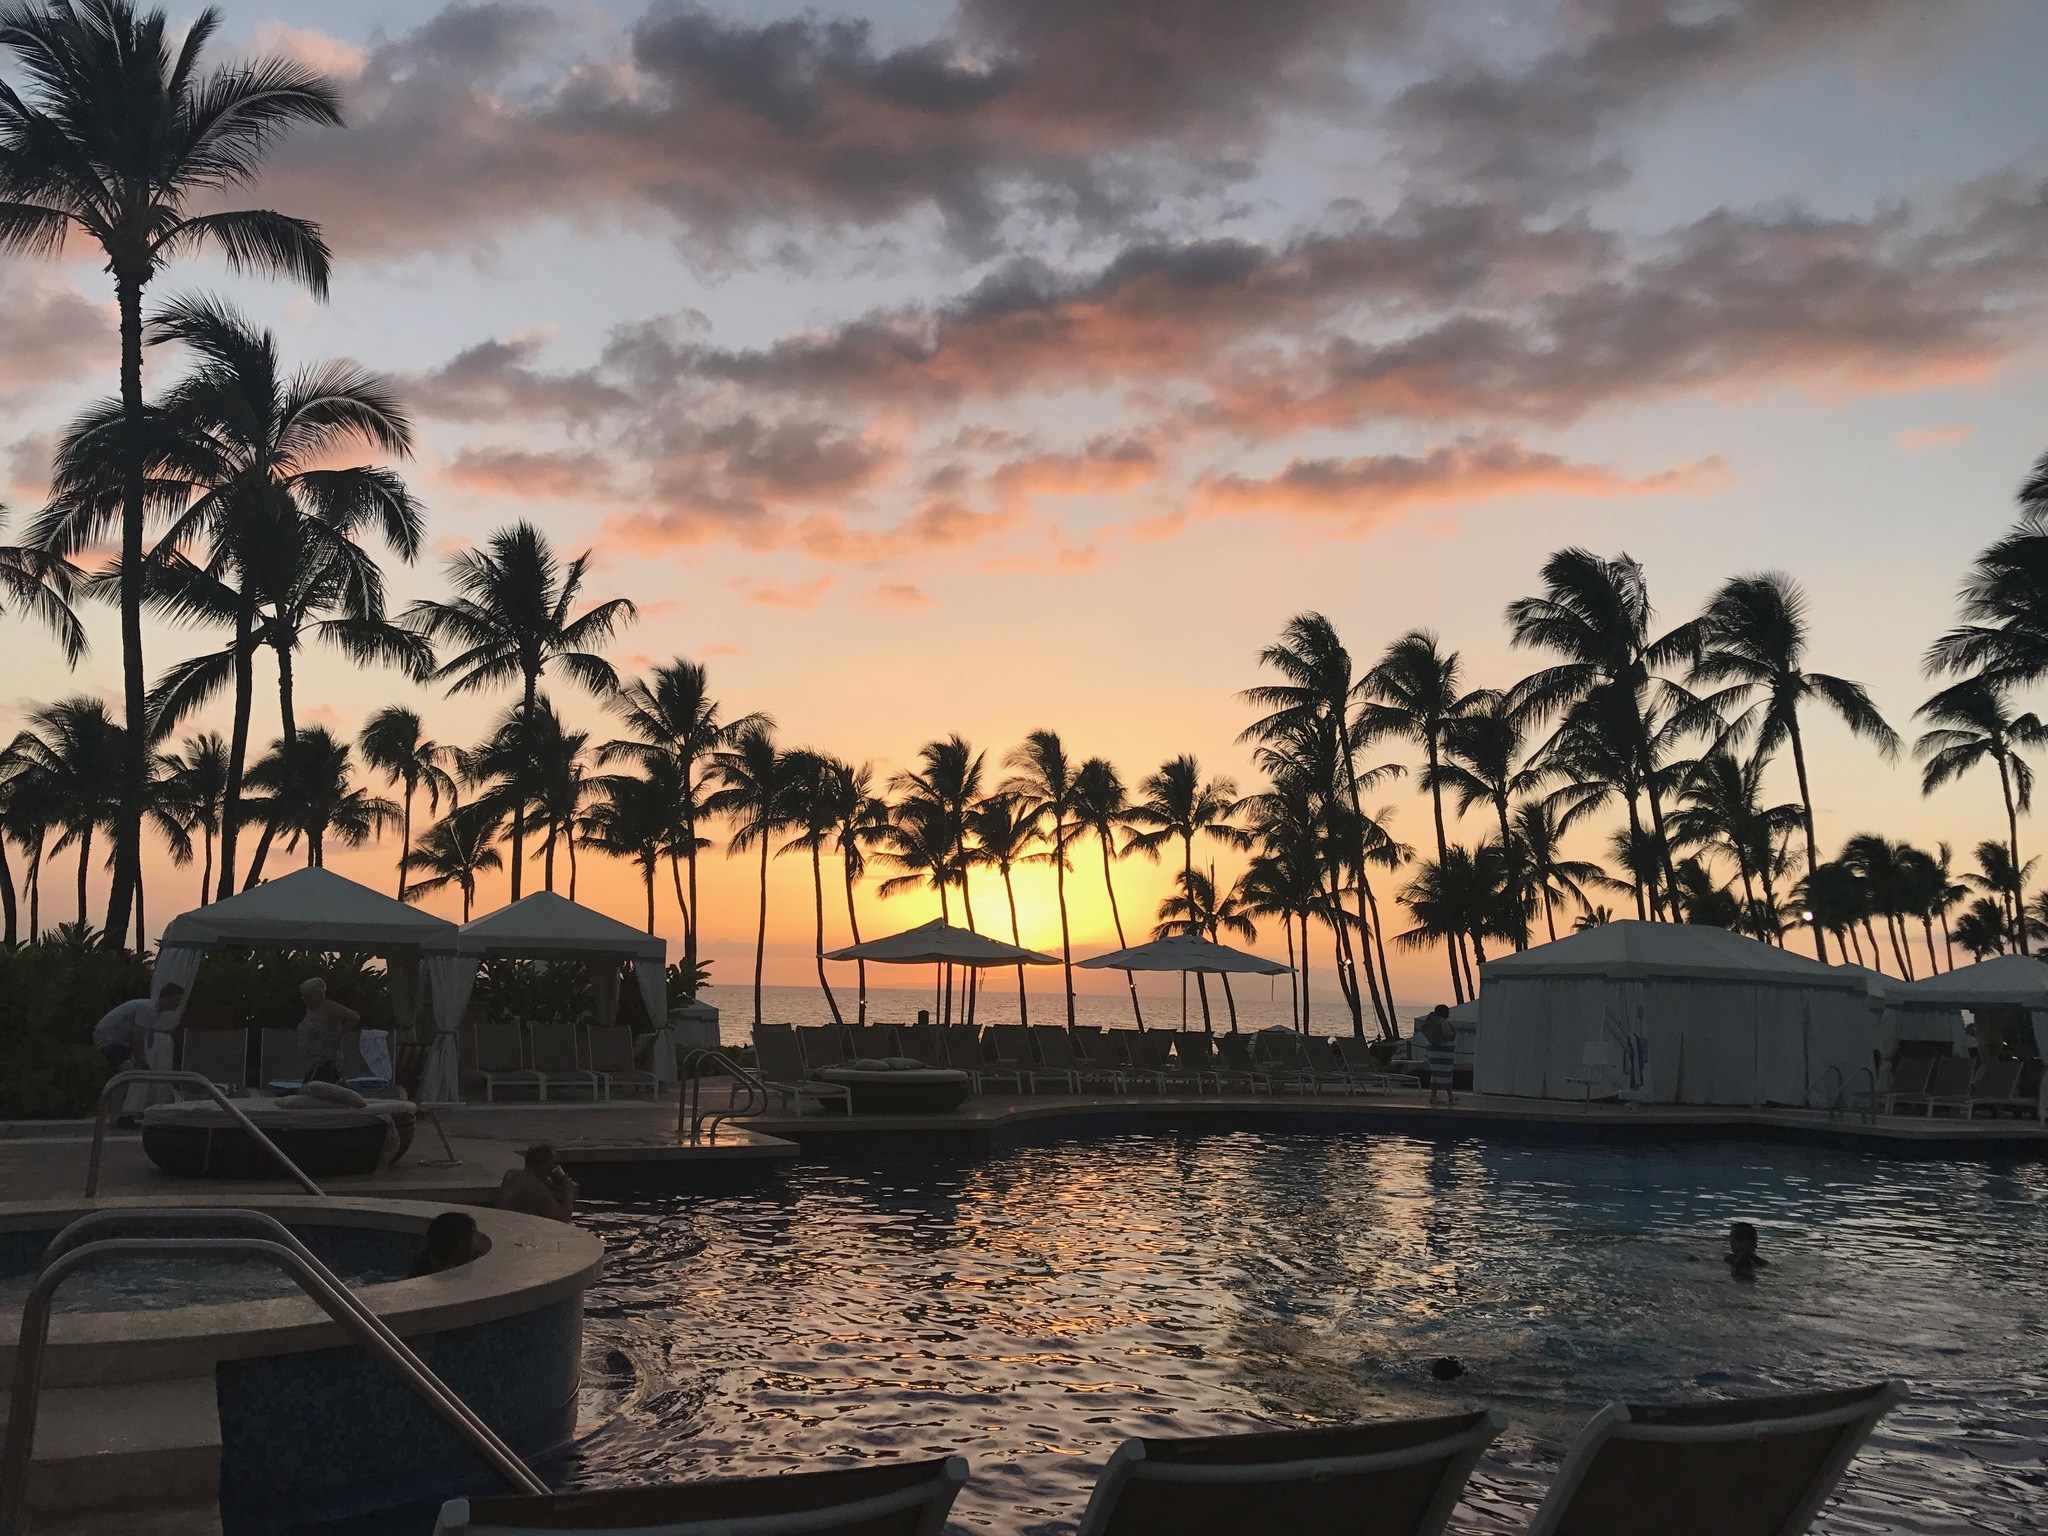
[
  {"x": 122, "y": 1081},
  {"x": 1838, "y": 1106},
  {"x": 18, "y": 1449},
  {"x": 82, "y": 1230},
  {"x": 691, "y": 1118}
]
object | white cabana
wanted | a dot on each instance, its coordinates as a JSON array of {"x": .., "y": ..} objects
[
  {"x": 545, "y": 926},
  {"x": 1935, "y": 1023},
  {"x": 311, "y": 909},
  {"x": 1670, "y": 1013},
  {"x": 1932, "y": 1007}
]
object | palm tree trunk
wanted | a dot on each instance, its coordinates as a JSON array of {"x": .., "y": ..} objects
[
  {"x": 1870, "y": 933},
  {"x": 35, "y": 891},
  {"x": 1293, "y": 988},
  {"x": 1820, "y": 948},
  {"x": 1927, "y": 932},
  {"x": 1635, "y": 835},
  {"x": 1230, "y": 998},
  {"x": 1657, "y": 823},
  {"x": 761, "y": 927},
  {"x": 860, "y": 967},
  {"x": 1369, "y": 929},
  {"x": 1854, "y": 943},
  {"x": 84, "y": 862},
  {"x": 1059, "y": 876},
  {"x": 1443, "y": 853},
  {"x": 647, "y": 873},
  {"x": 405, "y": 833},
  {"x": 255, "y": 876},
  {"x": 1375, "y": 944},
  {"x": 141, "y": 920},
  {"x": 238, "y": 750},
  {"x": 1948, "y": 944},
  {"x": 8, "y": 912},
  {"x": 690, "y": 855},
  {"x": 1517, "y": 881},
  {"x": 1023, "y": 1003},
  {"x": 818, "y": 902},
  {"x": 2012, "y": 835},
  {"x": 134, "y": 679},
  {"x": 570, "y": 835},
  {"x": 1187, "y": 865},
  {"x": 526, "y": 704},
  {"x": 206, "y": 872},
  {"x": 547, "y": 861},
  {"x": 1117, "y": 917},
  {"x": 287, "y": 715},
  {"x": 1305, "y": 1009},
  {"x": 1549, "y": 917},
  {"x": 675, "y": 876}
]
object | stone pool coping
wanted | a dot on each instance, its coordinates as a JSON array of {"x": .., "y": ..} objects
[{"x": 532, "y": 1262}]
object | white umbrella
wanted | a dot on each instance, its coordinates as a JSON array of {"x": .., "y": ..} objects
[
  {"x": 939, "y": 943},
  {"x": 1186, "y": 953}
]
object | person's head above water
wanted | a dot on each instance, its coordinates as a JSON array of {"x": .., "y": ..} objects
[
  {"x": 1741, "y": 1240},
  {"x": 451, "y": 1237}
]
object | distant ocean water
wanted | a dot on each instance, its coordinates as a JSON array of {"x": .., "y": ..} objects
[{"x": 1259, "y": 1003}]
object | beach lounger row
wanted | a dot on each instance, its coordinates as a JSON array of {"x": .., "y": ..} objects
[
  {"x": 1759, "y": 1465},
  {"x": 1954, "y": 1084},
  {"x": 550, "y": 1060},
  {"x": 1027, "y": 1058}
]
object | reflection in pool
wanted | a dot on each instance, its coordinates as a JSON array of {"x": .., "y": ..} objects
[{"x": 1032, "y": 1309}]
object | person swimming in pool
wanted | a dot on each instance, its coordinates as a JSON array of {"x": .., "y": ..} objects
[{"x": 1742, "y": 1259}]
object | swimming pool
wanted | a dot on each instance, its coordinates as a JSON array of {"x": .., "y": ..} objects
[{"x": 1031, "y": 1309}]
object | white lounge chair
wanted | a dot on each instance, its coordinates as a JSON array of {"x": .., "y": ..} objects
[
  {"x": 1394, "y": 1479},
  {"x": 888, "y": 1498},
  {"x": 1759, "y": 1466}
]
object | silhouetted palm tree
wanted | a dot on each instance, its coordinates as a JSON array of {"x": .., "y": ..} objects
[
  {"x": 1464, "y": 895},
  {"x": 311, "y": 796},
  {"x": 1539, "y": 856},
  {"x": 116, "y": 136},
  {"x": 1180, "y": 805},
  {"x": 39, "y": 583},
  {"x": 1720, "y": 807},
  {"x": 71, "y": 754},
  {"x": 1000, "y": 835},
  {"x": 2004, "y": 637},
  {"x": 1100, "y": 806},
  {"x": 1753, "y": 643},
  {"x": 1042, "y": 780},
  {"x": 753, "y": 778},
  {"x": 1482, "y": 762},
  {"x": 862, "y": 824},
  {"x": 395, "y": 743},
  {"x": 811, "y": 785},
  {"x": 1195, "y": 908},
  {"x": 512, "y": 616},
  {"x": 455, "y": 851},
  {"x": 631, "y": 821},
  {"x": 199, "y": 783},
  {"x": 1974, "y": 724},
  {"x": 672, "y": 716},
  {"x": 1999, "y": 876},
  {"x": 1283, "y": 884},
  {"x": 1984, "y": 929}
]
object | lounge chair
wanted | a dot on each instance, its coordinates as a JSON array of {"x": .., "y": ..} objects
[
  {"x": 1949, "y": 1086},
  {"x": 1759, "y": 1466},
  {"x": 610, "y": 1048},
  {"x": 501, "y": 1060},
  {"x": 1396, "y": 1479},
  {"x": 1142, "y": 1058},
  {"x": 1358, "y": 1059},
  {"x": 1056, "y": 1050},
  {"x": 884, "y": 1498},
  {"x": 1016, "y": 1050},
  {"x": 824, "y": 1045},
  {"x": 222, "y": 1054},
  {"x": 1196, "y": 1053},
  {"x": 963, "y": 1051},
  {"x": 1234, "y": 1054},
  {"x": 1909, "y": 1083},
  {"x": 1331, "y": 1069},
  {"x": 876, "y": 1042},
  {"x": 277, "y": 1060},
  {"x": 553, "y": 1047},
  {"x": 921, "y": 1043},
  {"x": 782, "y": 1069},
  {"x": 1997, "y": 1089}
]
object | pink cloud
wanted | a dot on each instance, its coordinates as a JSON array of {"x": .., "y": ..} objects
[
  {"x": 901, "y": 594},
  {"x": 1915, "y": 439},
  {"x": 780, "y": 594}
]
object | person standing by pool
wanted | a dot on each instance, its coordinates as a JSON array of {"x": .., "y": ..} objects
[
  {"x": 320, "y": 1032},
  {"x": 1440, "y": 1051},
  {"x": 121, "y": 1036}
]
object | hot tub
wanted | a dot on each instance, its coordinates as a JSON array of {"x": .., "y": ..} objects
[{"x": 312, "y": 1431}]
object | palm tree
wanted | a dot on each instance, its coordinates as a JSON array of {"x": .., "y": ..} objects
[
  {"x": 1282, "y": 883},
  {"x": 72, "y": 753},
  {"x": 1721, "y": 808},
  {"x": 672, "y": 715},
  {"x": 753, "y": 777},
  {"x": 1595, "y": 616},
  {"x": 199, "y": 775},
  {"x": 511, "y": 618},
  {"x": 310, "y": 795},
  {"x": 1101, "y": 806},
  {"x": 2004, "y": 636},
  {"x": 1973, "y": 723},
  {"x": 245, "y": 450},
  {"x": 1593, "y": 752},
  {"x": 1001, "y": 835},
  {"x": 1539, "y": 857},
  {"x": 1042, "y": 781},
  {"x": 1593, "y": 917},
  {"x": 1923, "y": 885},
  {"x": 1311, "y": 719},
  {"x": 117, "y": 135},
  {"x": 1753, "y": 640},
  {"x": 1196, "y": 909},
  {"x": 862, "y": 825},
  {"x": 39, "y": 583},
  {"x": 811, "y": 787},
  {"x": 454, "y": 851},
  {"x": 1179, "y": 803},
  {"x": 1464, "y": 895},
  {"x": 32, "y": 804},
  {"x": 631, "y": 821},
  {"x": 1835, "y": 898},
  {"x": 1984, "y": 929},
  {"x": 395, "y": 743},
  {"x": 939, "y": 795},
  {"x": 1482, "y": 762},
  {"x": 1999, "y": 877}
]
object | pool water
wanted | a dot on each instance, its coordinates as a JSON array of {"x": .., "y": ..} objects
[
  {"x": 359, "y": 1255},
  {"x": 1031, "y": 1309}
]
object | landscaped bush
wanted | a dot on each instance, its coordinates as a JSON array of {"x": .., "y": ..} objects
[
  {"x": 261, "y": 989},
  {"x": 51, "y": 995}
]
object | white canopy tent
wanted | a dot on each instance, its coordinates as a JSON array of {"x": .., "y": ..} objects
[
  {"x": 1935, "y": 1023},
  {"x": 545, "y": 926},
  {"x": 1933, "y": 1002},
  {"x": 1672, "y": 1014},
  {"x": 312, "y": 909}
]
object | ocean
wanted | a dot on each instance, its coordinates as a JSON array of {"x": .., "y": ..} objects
[{"x": 1261, "y": 1001}]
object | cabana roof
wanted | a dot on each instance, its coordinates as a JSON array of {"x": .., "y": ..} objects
[
  {"x": 2019, "y": 980},
  {"x": 1635, "y": 951},
  {"x": 310, "y": 909},
  {"x": 545, "y": 926}
]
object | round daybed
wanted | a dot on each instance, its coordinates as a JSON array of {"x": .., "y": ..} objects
[
  {"x": 897, "y": 1086},
  {"x": 198, "y": 1139}
]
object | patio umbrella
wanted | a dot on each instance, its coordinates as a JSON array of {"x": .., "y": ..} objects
[
  {"x": 1187, "y": 953},
  {"x": 939, "y": 943}
]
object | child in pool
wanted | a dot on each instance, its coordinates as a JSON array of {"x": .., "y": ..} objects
[{"x": 1742, "y": 1259}]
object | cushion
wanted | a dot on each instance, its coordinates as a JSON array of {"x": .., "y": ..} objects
[{"x": 331, "y": 1093}]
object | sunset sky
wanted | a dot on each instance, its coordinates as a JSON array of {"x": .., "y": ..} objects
[{"x": 1026, "y": 363}]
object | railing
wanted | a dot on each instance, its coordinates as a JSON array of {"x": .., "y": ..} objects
[
  {"x": 1838, "y": 1105},
  {"x": 692, "y": 1119},
  {"x": 75, "y": 1248},
  {"x": 121, "y": 1082}
]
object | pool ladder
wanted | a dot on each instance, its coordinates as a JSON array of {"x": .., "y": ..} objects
[
  {"x": 266, "y": 1238},
  {"x": 692, "y": 1119},
  {"x": 1845, "y": 1085}
]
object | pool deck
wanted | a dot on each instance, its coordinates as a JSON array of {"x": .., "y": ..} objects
[{"x": 635, "y": 1145}]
